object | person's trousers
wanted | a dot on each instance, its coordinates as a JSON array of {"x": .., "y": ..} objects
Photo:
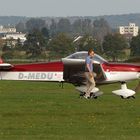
[{"x": 90, "y": 83}]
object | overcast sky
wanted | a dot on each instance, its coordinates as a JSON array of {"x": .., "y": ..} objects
[{"x": 37, "y": 8}]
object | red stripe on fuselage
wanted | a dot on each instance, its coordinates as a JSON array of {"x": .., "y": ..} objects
[
  {"x": 46, "y": 67},
  {"x": 120, "y": 67}
]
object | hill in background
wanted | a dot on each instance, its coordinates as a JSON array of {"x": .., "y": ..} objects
[
  {"x": 12, "y": 20},
  {"x": 113, "y": 20}
]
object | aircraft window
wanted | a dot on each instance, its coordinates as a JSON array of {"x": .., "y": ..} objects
[
  {"x": 83, "y": 55},
  {"x": 78, "y": 56},
  {"x": 99, "y": 58},
  {"x": 72, "y": 56}
]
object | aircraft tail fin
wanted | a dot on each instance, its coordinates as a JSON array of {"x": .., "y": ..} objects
[{"x": 1, "y": 61}]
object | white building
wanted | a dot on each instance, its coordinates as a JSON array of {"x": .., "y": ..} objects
[
  {"x": 130, "y": 31},
  {"x": 7, "y": 30},
  {"x": 15, "y": 36}
]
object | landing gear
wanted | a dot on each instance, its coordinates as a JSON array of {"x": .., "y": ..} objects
[
  {"x": 82, "y": 94},
  {"x": 95, "y": 93},
  {"x": 95, "y": 97},
  {"x": 133, "y": 97},
  {"x": 124, "y": 92},
  {"x": 92, "y": 95}
]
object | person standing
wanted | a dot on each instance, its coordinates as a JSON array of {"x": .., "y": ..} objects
[{"x": 89, "y": 73}]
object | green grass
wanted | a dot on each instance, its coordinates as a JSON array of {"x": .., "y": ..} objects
[{"x": 44, "y": 111}]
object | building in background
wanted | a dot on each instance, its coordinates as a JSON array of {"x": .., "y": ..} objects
[
  {"x": 9, "y": 33},
  {"x": 15, "y": 36},
  {"x": 129, "y": 31},
  {"x": 7, "y": 29}
]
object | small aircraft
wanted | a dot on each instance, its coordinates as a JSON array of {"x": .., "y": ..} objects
[{"x": 71, "y": 69}]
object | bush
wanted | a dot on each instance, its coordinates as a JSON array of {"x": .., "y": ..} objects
[{"x": 134, "y": 59}]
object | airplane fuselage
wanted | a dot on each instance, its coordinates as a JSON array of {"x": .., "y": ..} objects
[{"x": 34, "y": 72}]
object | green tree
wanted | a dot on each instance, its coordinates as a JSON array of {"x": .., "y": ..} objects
[
  {"x": 35, "y": 44},
  {"x": 45, "y": 32},
  {"x": 35, "y": 23},
  {"x": 77, "y": 27},
  {"x": 2, "y": 42},
  {"x": 87, "y": 42},
  {"x": 135, "y": 46},
  {"x": 53, "y": 28},
  {"x": 101, "y": 29},
  {"x": 61, "y": 46},
  {"x": 19, "y": 45},
  {"x": 82, "y": 27},
  {"x": 21, "y": 27},
  {"x": 64, "y": 26},
  {"x": 87, "y": 27},
  {"x": 7, "y": 51},
  {"x": 114, "y": 46}
]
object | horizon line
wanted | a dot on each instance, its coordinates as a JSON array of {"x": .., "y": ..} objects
[{"x": 68, "y": 16}]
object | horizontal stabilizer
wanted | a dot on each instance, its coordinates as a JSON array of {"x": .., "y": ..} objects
[{"x": 5, "y": 66}]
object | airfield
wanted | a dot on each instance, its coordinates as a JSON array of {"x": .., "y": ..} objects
[{"x": 45, "y": 111}]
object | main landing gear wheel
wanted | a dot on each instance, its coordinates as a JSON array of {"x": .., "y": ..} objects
[
  {"x": 133, "y": 97},
  {"x": 92, "y": 95},
  {"x": 82, "y": 94},
  {"x": 95, "y": 93}
]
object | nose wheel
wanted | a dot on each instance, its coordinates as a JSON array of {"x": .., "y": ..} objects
[{"x": 124, "y": 92}]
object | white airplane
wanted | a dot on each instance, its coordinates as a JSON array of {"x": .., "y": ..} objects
[{"x": 71, "y": 69}]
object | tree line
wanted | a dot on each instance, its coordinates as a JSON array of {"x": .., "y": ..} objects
[
  {"x": 98, "y": 28},
  {"x": 56, "y": 40}
]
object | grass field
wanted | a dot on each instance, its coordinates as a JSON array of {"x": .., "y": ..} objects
[{"x": 44, "y": 111}]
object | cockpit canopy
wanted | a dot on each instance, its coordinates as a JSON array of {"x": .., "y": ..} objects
[{"x": 80, "y": 57}]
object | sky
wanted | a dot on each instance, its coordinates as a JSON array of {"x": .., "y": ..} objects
[{"x": 56, "y": 8}]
